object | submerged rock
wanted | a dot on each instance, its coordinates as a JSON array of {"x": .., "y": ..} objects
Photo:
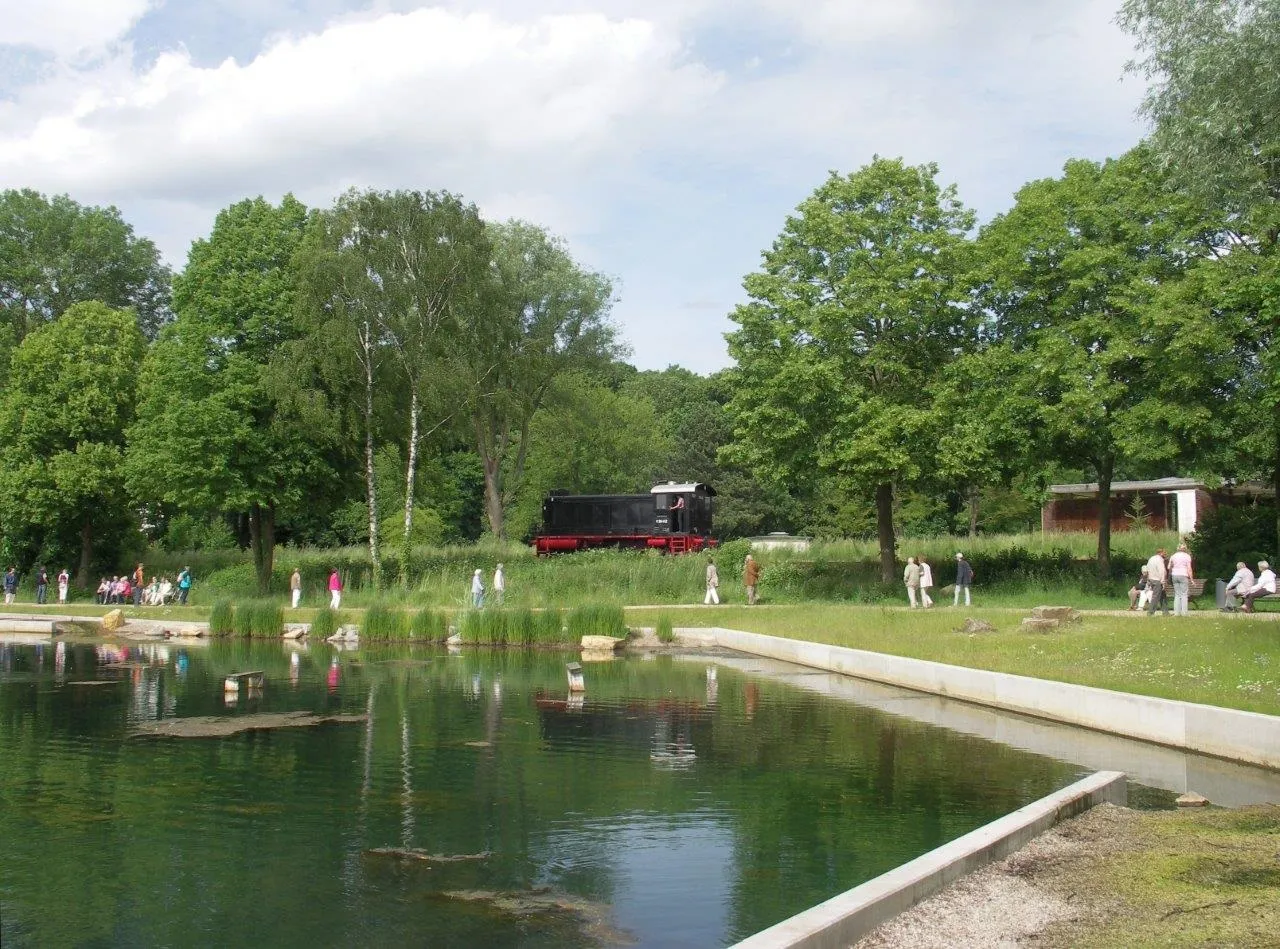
[
  {"x": 412, "y": 853},
  {"x": 223, "y": 726},
  {"x": 592, "y": 918}
]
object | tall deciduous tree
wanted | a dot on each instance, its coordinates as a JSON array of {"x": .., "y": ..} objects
[
  {"x": 55, "y": 253},
  {"x": 1071, "y": 273},
  {"x": 545, "y": 316},
  {"x": 859, "y": 304},
  {"x": 213, "y": 432},
  {"x": 1213, "y": 100},
  {"x": 63, "y": 417}
]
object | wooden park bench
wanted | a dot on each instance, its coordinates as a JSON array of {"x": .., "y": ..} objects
[{"x": 1195, "y": 588}]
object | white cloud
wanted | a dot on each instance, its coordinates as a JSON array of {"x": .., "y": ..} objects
[
  {"x": 69, "y": 28},
  {"x": 422, "y": 94}
]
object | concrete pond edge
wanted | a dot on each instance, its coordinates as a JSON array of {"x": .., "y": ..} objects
[
  {"x": 844, "y": 919},
  {"x": 1235, "y": 735}
]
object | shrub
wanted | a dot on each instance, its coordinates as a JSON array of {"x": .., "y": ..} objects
[
  {"x": 665, "y": 632},
  {"x": 325, "y": 624},
  {"x": 597, "y": 620},
  {"x": 486, "y": 627},
  {"x": 730, "y": 557},
  {"x": 429, "y": 626},
  {"x": 1228, "y": 534},
  {"x": 221, "y": 619},
  {"x": 382, "y": 624}
]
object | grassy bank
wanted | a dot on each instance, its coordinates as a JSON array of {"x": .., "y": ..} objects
[{"x": 1232, "y": 661}]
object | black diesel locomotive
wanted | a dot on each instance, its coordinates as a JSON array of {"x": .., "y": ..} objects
[{"x": 674, "y": 518}]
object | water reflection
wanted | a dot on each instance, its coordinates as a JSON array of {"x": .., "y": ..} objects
[{"x": 681, "y": 803}]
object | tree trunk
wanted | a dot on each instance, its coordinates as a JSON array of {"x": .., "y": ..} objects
[
  {"x": 1276, "y": 482},
  {"x": 86, "y": 554},
  {"x": 1105, "y": 469},
  {"x": 370, "y": 485},
  {"x": 493, "y": 495},
  {"x": 973, "y": 512},
  {"x": 411, "y": 470},
  {"x": 262, "y": 541},
  {"x": 884, "y": 529}
]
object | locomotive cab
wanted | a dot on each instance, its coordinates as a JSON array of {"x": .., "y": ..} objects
[{"x": 683, "y": 508}]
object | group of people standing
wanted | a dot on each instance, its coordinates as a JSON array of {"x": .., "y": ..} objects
[
  {"x": 1149, "y": 592},
  {"x": 478, "y": 588},
  {"x": 918, "y": 577},
  {"x": 42, "y": 585}
]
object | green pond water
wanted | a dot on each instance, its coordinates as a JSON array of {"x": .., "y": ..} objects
[{"x": 669, "y": 809}]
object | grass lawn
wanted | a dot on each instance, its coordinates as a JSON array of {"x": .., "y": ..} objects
[{"x": 1232, "y": 661}]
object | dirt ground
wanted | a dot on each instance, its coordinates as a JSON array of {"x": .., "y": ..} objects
[{"x": 1115, "y": 877}]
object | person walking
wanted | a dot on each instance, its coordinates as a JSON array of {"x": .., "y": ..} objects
[
  {"x": 42, "y": 586},
  {"x": 751, "y": 578},
  {"x": 911, "y": 577},
  {"x": 335, "y": 590},
  {"x": 477, "y": 590},
  {"x": 1181, "y": 571},
  {"x": 926, "y": 581},
  {"x": 184, "y": 585},
  {"x": 964, "y": 579},
  {"x": 1157, "y": 573},
  {"x": 713, "y": 585},
  {"x": 499, "y": 585},
  {"x": 64, "y": 585},
  {"x": 10, "y": 585},
  {"x": 295, "y": 587}
]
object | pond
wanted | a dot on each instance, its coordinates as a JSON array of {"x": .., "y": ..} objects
[{"x": 681, "y": 803}]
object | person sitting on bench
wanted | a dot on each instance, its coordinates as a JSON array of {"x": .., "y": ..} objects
[
  {"x": 1241, "y": 582},
  {"x": 1265, "y": 586},
  {"x": 1140, "y": 592}
]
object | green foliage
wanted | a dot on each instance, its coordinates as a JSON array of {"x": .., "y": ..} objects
[
  {"x": 55, "y": 253},
  {"x": 429, "y": 626},
  {"x": 383, "y": 624},
  {"x": 325, "y": 623},
  {"x": 729, "y": 558},
  {"x": 484, "y": 627},
  {"x": 261, "y": 619},
  {"x": 63, "y": 414},
  {"x": 857, "y": 308},
  {"x": 1226, "y": 535},
  {"x": 596, "y": 620},
  {"x": 222, "y": 619},
  {"x": 665, "y": 631}
]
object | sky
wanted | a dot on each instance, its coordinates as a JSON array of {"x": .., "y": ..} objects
[{"x": 666, "y": 140}]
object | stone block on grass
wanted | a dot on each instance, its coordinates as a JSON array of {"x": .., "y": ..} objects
[
  {"x": 1063, "y": 614},
  {"x": 1035, "y": 624}
]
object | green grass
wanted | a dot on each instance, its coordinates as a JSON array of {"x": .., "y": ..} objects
[
  {"x": 665, "y": 629},
  {"x": 430, "y": 626},
  {"x": 1184, "y": 879},
  {"x": 254, "y": 619},
  {"x": 1215, "y": 659},
  {"x": 384, "y": 624},
  {"x": 596, "y": 620},
  {"x": 325, "y": 623},
  {"x": 222, "y": 619}
]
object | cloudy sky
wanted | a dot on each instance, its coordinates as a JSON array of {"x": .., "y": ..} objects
[{"x": 666, "y": 140}]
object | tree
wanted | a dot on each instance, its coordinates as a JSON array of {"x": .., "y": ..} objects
[
  {"x": 587, "y": 439},
  {"x": 55, "y": 253},
  {"x": 63, "y": 417},
  {"x": 544, "y": 317},
  {"x": 858, "y": 305},
  {"x": 1083, "y": 358},
  {"x": 216, "y": 428},
  {"x": 1213, "y": 100}
]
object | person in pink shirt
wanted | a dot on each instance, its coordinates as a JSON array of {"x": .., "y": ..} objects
[
  {"x": 1180, "y": 573},
  {"x": 335, "y": 590}
]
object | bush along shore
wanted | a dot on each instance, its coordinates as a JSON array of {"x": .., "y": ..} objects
[
  {"x": 384, "y": 623},
  {"x": 1018, "y": 569}
]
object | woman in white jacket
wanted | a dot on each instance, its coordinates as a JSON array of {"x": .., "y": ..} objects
[{"x": 926, "y": 581}]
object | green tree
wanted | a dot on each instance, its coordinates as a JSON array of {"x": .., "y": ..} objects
[
  {"x": 1214, "y": 96},
  {"x": 218, "y": 429},
  {"x": 546, "y": 316},
  {"x": 55, "y": 253},
  {"x": 63, "y": 417},
  {"x": 1084, "y": 360},
  {"x": 587, "y": 439},
  {"x": 859, "y": 304}
]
